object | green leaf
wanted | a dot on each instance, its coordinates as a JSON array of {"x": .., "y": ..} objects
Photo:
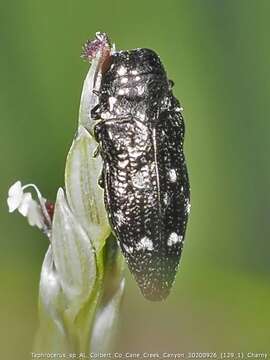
[
  {"x": 84, "y": 196},
  {"x": 105, "y": 322},
  {"x": 73, "y": 253},
  {"x": 113, "y": 287},
  {"x": 51, "y": 293},
  {"x": 51, "y": 335},
  {"x": 88, "y": 99},
  {"x": 82, "y": 275}
]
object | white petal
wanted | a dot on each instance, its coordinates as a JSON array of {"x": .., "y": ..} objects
[
  {"x": 35, "y": 215},
  {"x": 15, "y": 189},
  {"x": 12, "y": 204},
  {"x": 25, "y": 203},
  {"x": 15, "y": 195}
]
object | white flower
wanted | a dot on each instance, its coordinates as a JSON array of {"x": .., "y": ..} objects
[
  {"x": 35, "y": 212},
  {"x": 15, "y": 195},
  {"x": 34, "y": 215}
]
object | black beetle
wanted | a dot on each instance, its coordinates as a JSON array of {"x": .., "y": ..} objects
[{"x": 140, "y": 133}]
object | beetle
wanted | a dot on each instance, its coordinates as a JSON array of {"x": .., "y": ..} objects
[{"x": 140, "y": 131}]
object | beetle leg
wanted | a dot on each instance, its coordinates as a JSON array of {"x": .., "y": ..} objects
[
  {"x": 97, "y": 130},
  {"x": 95, "y": 112},
  {"x": 96, "y": 151},
  {"x": 171, "y": 84},
  {"x": 96, "y": 92},
  {"x": 101, "y": 179}
]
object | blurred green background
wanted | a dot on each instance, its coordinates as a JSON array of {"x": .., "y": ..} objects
[{"x": 218, "y": 54}]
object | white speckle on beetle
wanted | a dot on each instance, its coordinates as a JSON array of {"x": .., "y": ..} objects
[
  {"x": 174, "y": 239},
  {"x": 179, "y": 109},
  {"x": 110, "y": 134},
  {"x": 112, "y": 101},
  {"x": 134, "y": 72},
  {"x": 135, "y": 154},
  {"x": 152, "y": 166},
  {"x": 128, "y": 249},
  {"x": 121, "y": 92},
  {"x": 137, "y": 78},
  {"x": 122, "y": 71},
  {"x": 138, "y": 180},
  {"x": 172, "y": 175},
  {"x": 140, "y": 115},
  {"x": 121, "y": 189},
  {"x": 182, "y": 188},
  {"x": 145, "y": 244},
  {"x": 106, "y": 115},
  {"x": 118, "y": 111},
  {"x": 140, "y": 90},
  {"x": 119, "y": 217},
  {"x": 122, "y": 164},
  {"x": 188, "y": 207},
  {"x": 166, "y": 198},
  {"x": 124, "y": 80}
]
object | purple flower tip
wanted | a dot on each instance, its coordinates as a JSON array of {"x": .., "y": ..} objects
[{"x": 92, "y": 47}]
